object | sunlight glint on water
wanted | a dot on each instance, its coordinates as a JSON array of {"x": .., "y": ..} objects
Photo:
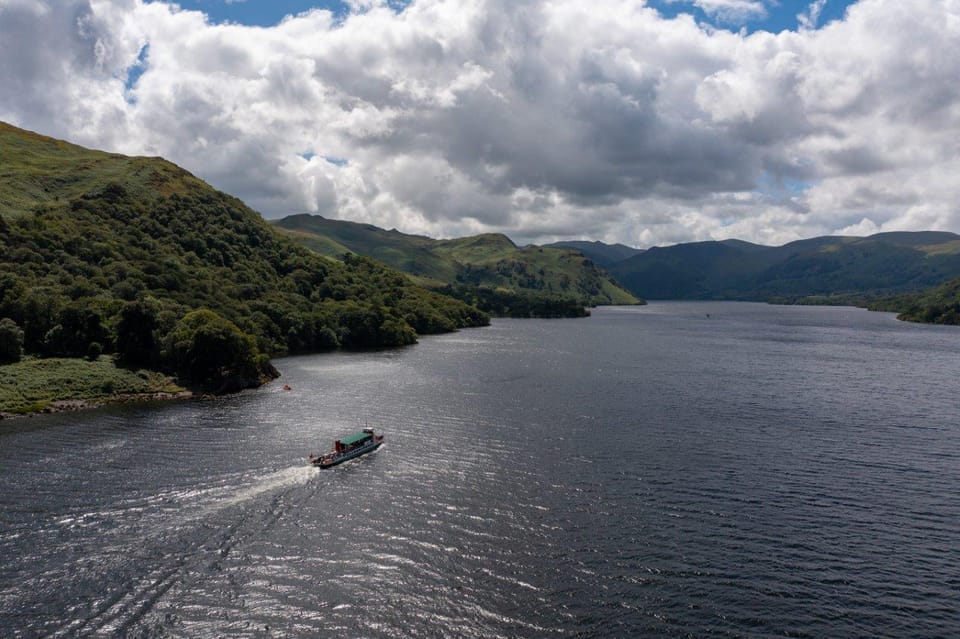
[{"x": 650, "y": 471}]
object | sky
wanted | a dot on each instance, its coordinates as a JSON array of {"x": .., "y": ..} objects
[
  {"x": 752, "y": 15},
  {"x": 645, "y": 123}
]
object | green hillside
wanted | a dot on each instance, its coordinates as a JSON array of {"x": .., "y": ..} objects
[
  {"x": 408, "y": 253},
  {"x": 36, "y": 170},
  {"x": 102, "y": 253},
  {"x": 603, "y": 255},
  {"x": 841, "y": 267},
  {"x": 936, "y": 305},
  {"x": 462, "y": 266}
]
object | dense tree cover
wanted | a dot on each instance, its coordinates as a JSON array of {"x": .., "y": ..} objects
[
  {"x": 207, "y": 350},
  {"x": 507, "y": 303},
  {"x": 11, "y": 341},
  {"x": 125, "y": 268},
  {"x": 937, "y": 305}
]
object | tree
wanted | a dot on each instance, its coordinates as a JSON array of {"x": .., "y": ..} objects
[
  {"x": 137, "y": 343},
  {"x": 366, "y": 325},
  {"x": 38, "y": 310},
  {"x": 209, "y": 351},
  {"x": 11, "y": 341},
  {"x": 79, "y": 324}
]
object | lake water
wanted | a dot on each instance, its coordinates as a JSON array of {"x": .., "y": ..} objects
[{"x": 679, "y": 469}]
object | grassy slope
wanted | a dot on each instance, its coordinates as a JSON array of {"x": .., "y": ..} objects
[
  {"x": 555, "y": 271},
  {"x": 33, "y": 384},
  {"x": 490, "y": 260},
  {"x": 408, "y": 253},
  {"x": 36, "y": 170}
]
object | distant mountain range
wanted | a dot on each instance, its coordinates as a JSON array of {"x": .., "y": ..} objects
[
  {"x": 490, "y": 261},
  {"x": 880, "y": 264},
  {"x": 88, "y": 236},
  {"x": 831, "y": 269}
]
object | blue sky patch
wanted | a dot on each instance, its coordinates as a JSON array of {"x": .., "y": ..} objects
[
  {"x": 336, "y": 161},
  {"x": 773, "y": 15},
  {"x": 134, "y": 73},
  {"x": 776, "y": 15},
  {"x": 781, "y": 188},
  {"x": 266, "y": 13},
  {"x": 263, "y": 13},
  {"x": 332, "y": 159}
]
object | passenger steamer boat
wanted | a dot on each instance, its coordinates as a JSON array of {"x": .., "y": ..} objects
[{"x": 349, "y": 448}]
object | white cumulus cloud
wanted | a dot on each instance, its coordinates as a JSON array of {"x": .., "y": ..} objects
[{"x": 543, "y": 119}]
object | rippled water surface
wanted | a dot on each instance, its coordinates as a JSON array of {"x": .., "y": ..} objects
[{"x": 680, "y": 469}]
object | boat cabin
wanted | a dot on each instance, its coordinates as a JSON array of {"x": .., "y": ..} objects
[{"x": 353, "y": 441}]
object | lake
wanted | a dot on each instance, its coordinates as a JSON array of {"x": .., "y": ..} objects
[{"x": 677, "y": 469}]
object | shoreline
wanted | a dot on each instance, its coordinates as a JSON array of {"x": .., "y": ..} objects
[{"x": 69, "y": 405}]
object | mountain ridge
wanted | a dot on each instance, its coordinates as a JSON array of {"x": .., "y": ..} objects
[
  {"x": 601, "y": 253},
  {"x": 490, "y": 260},
  {"x": 733, "y": 269}
]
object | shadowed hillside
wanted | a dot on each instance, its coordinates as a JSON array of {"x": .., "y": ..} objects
[
  {"x": 825, "y": 266},
  {"x": 602, "y": 254},
  {"x": 103, "y": 253},
  {"x": 936, "y": 305}
]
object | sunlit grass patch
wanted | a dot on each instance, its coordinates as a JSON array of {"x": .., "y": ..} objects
[{"x": 32, "y": 384}]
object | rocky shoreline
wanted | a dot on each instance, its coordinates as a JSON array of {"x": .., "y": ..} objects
[{"x": 63, "y": 405}]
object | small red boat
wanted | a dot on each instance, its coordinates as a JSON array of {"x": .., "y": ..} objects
[{"x": 347, "y": 448}]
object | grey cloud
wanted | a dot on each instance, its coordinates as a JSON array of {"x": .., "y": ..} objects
[
  {"x": 219, "y": 55},
  {"x": 542, "y": 119},
  {"x": 34, "y": 77},
  {"x": 856, "y": 160}
]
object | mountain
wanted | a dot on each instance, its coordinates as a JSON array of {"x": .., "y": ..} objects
[
  {"x": 333, "y": 238},
  {"x": 602, "y": 254},
  {"x": 134, "y": 256},
  {"x": 461, "y": 266},
  {"x": 880, "y": 264}
]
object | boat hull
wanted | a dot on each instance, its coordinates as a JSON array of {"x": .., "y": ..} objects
[{"x": 329, "y": 461}]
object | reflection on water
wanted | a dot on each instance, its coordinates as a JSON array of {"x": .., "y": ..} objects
[{"x": 646, "y": 471}]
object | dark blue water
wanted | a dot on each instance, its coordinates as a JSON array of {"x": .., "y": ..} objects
[{"x": 764, "y": 471}]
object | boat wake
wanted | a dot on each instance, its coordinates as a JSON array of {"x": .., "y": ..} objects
[
  {"x": 259, "y": 485},
  {"x": 208, "y": 525}
]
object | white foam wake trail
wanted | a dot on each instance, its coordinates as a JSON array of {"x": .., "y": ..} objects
[{"x": 284, "y": 478}]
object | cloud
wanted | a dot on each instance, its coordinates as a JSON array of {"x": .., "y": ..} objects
[
  {"x": 733, "y": 11},
  {"x": 64, "y": 66},
  {"x": 545, "y": 120},
  {"x": 809, "y": 19}
]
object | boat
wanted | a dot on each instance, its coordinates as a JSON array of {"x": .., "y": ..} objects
[{"x": 347, "y": 448}]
